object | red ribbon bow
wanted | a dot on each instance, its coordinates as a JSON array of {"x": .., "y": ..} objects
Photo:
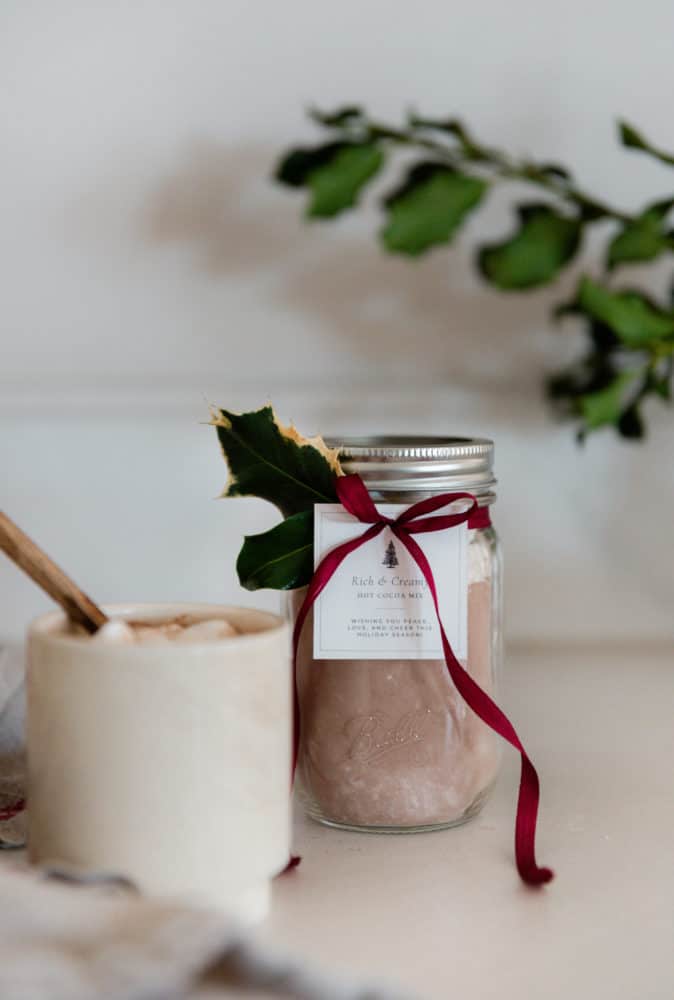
[{"x": 354, "y": 496}]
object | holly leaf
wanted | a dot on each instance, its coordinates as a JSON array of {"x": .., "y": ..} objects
[
  {"x": 429, "y": 207},
  {"x": 602, "y": 337},
  {"x": 470, "y": 148},
  {"x": 274, "y": 462},
  {"x": 631, "y": 425},
  {"x": 295, "y": 167},
  {"x": 607, "y": 405},
  {"x": 555, "y": 170},
  {"x": 335, "y": 174},
  {"x": 659, "y": 379},
  {"x": 641, "y": 240},
  {"x": 633, "y": 317},
  {"x": 279, "y": 559},
  {"x": 633, "y": 139},
  {"x": 452, "y": 126},
  {"x": 591, "y": 373},
  {"x": 335, "y": 119},
  {"x": 544, "y": 243},
  {"x": 662, "y": 387}
]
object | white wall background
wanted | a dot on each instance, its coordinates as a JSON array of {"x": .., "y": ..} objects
[{"x": 148, "y": 264}]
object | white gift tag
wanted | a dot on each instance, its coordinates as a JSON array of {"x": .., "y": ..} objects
[{"x": 377, "y": 605}]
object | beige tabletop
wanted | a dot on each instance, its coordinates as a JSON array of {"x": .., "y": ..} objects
[{"x": 444, "y": 916}]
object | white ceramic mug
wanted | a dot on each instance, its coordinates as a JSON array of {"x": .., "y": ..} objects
[{"x": 169, "y": 764}]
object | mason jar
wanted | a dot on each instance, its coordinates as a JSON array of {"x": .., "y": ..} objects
[{"x": 389, "y": 745}]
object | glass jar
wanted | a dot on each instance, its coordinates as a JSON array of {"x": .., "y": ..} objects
[{"x": 390, "y": 745}]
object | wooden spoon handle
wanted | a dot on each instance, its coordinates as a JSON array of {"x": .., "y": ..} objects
[{"x": 46, "y": 574}]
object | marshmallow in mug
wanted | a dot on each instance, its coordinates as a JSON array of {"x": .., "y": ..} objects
[{"x": 118, "y": 632}]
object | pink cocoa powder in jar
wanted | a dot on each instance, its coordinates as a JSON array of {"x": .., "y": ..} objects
[{"x": 390, "y": 744}]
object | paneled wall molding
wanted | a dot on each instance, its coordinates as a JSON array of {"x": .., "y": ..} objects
[
  {"x": 393, "y": 401},
  {"x": 120, "y": 486}
]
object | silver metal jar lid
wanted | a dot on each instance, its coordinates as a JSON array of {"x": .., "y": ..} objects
[{"x": 420, "y": 464}]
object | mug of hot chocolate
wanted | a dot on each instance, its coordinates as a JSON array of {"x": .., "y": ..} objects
[
  {"x": 159, "y": 749},
  {"x": 159, "y": 741}
]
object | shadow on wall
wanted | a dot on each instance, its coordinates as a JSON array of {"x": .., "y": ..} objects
[
  {"x": 210, "y": 201},
  {"x": 432, "y": 314}
]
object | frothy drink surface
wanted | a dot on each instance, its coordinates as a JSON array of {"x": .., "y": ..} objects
[{"x": 182, "y": 629}]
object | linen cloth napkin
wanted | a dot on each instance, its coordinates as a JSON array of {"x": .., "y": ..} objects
[
  {"x": 62, "y": 938},
  {"x": 59, "y": 942},
  {"x": 12, "y": 756}
]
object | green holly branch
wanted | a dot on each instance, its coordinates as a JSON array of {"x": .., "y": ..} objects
[{"x": 630, "y": 337}]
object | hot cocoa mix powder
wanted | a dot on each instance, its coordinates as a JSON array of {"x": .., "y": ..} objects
[{"x": 391, "y": 743}]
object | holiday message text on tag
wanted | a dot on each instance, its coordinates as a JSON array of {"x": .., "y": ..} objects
[{"x": 377, "y": 605}]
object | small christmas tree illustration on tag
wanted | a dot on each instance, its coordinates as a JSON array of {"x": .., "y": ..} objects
[{"x": 390, "y": 558}]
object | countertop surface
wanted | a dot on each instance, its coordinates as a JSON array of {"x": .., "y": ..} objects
[{"x": 443, "y": 915}]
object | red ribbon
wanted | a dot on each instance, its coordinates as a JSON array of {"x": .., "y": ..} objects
[
  {"x": 354, "y": 496},
  {"x": 11, "y": 811}
]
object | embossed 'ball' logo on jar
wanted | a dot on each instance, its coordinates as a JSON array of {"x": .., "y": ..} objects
[{"x": 373, "y": 736}]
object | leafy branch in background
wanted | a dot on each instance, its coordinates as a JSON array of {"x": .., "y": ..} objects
[{"x": 630, "y": 336}]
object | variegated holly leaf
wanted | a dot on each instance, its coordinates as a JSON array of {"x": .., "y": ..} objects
[
  {"x": 280, "y": 559},
  {"x": 269, "y": 460}
]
